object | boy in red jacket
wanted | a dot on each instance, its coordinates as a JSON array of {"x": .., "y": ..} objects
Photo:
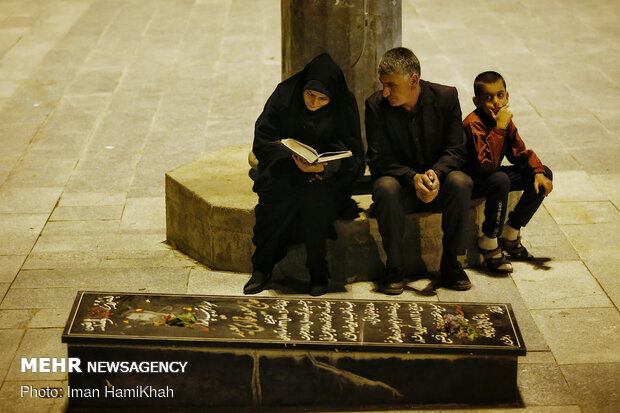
[{"x": 491, "y": 135}]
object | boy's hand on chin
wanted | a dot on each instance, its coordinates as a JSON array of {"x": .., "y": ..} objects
[{"x": 502, "y": 118}]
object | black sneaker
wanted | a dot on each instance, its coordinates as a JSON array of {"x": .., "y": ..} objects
[
  {"x": 392, "y": 283},
  {"x": 319, "y": 284},
  {"x": 257, "y": 282},
  {"x": 454, "y": 278}
]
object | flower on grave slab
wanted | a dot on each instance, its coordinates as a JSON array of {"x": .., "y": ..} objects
[
  {"x": 458, "y": 326},
  {"x": 184, "y": 320}
]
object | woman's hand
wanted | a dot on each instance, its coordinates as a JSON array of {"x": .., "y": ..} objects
[{"x": 309, "y": 167}]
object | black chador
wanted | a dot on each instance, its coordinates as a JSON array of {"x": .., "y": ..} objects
[{"x": 295, "y": 206}]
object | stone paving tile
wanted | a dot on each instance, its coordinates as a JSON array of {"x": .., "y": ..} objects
[
  {"x": 595, "y": 386},
  {"x": 13, "y": 401},
  {"x": 166, "y": 258},
  {"x": 4, "y": 287},
  {"x": 9, "y": 342},
  {"x": 610, "y": 118},
  {"x": 587, "y": 239},
  {"x": 575, "y": 186},
  {"x": 38, "y": 342},
  {"x": 73, "y": 114},
  {"x": 7, "y": 86},
  {"x": 120, "y": 181},
  {"x": 49, "y": 317},
  {"x": 88, "y": 82},
  {"x": 60, "y": 64},
  {"x": 108, "y": 59},
  {"x": 85, "y": 213},
  {"x": 544, "y": 238},
  {"x": 33, "y": 101},
  {"x": 571, "y": 131},
  {"x": 610, "y": 186},
  {"x": 543, "y": 384},
  {"x": 6, "y": 165},
  {"x": 18, "y": 232},
  {"x": 144, "y": 214},
  {"x": 15, "y": 138},
  {"x": 205, "y": 281},
  {"x": 582, "y": 212},
  {"x": 581, "y": 335},
  {"x": 123, "y": 279},
  {"x": 91, "y": 198},
  {"x": 27, "y": 298},
  {"x": 9, "y": 266},
  {"x": 66, "y": 259},
  {"x": 606, "y": 269},
  {"x": 98, "y": 160},
  {"x": 18, "y": 63},
  {"x": 599, "y": 159},
  {"x": 81, "y": 227},
  {"x": 28, "y": 200},
  {"x": 99, "y": 242},
  {"x": 147, "y": 192},
  {"x": 537, "y": 357},
  {"x": 562, "y": 284},
  {"x": 40, "y": 173},
  {"x": 15, "y": 319},
  {"x": 66, "y": 145}
]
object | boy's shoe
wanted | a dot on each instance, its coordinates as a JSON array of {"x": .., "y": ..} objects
[
  {"x": 257, "y": 282},
  {"x": 515, "y": 249},
  {"x": 392, "y": 283},
  {"x": 454, "y": 278},
  {"x": 496, "y": 264},
  {"x": 319, "y": 284}
]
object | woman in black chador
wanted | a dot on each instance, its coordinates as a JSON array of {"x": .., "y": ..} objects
[{"x": 298, "y": 201}]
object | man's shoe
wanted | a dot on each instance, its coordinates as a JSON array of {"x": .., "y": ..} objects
[
  {"x": 392, "y": 283},
  {"x": 515, "y": 250},
  {"x": 454, "y": 278},
  {"x": 257, "y": 282},
  {"x": 319, "y": 284}
]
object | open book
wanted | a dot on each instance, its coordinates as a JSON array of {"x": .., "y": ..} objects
[{"x": 309, "y": 154}]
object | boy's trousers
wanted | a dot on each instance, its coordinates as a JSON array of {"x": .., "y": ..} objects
[{"x": 494, "y": 187}]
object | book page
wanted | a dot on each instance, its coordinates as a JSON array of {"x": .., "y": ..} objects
[
  {"x": 331, "y": 156},
  {"x": 305, "y": 151}
]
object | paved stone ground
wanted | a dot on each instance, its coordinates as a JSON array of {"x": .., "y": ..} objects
[{"x": 99, "y": 98}]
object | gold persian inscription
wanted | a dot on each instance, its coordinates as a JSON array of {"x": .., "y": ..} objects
[
  {"x": 305, "y": 325},
  {"x": 328, "y": 333},
  {"x": 419, "y": 331},
  {"x": 351, "y": 326},
  {"x": 282, "y": 320},
  {"x": 394, "y": 324}
]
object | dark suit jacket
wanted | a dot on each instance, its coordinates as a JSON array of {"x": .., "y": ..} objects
[{"x": 390, "y": 144}]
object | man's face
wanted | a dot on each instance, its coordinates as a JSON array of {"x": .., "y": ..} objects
[
  {"x": 397, "y": 88},
  {"x": 493, "y": 97},
  {"x": 315, "y": 100}
]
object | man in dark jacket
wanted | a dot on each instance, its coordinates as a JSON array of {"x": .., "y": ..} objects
[{"x": 416, "y": 146}]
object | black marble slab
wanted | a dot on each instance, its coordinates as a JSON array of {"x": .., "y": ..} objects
[{"x": 304, "y": 323}]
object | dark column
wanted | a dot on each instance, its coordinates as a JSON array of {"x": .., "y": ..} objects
[{"x": 355, "y": 33}]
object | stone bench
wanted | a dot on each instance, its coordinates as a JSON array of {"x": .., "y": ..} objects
[{"x": 210, "y": 216}]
